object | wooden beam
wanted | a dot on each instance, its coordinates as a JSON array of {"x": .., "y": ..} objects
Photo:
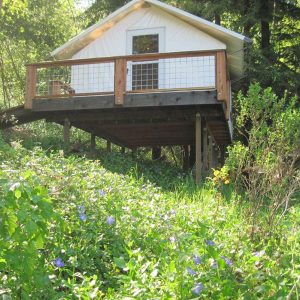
[
  {"x": 205, "y": 152},
  {"x": 108, "y": 146},
  {"x": 210, "y": 149},
  {"x": 93, "y": 142},
  {"x": 67, "y": 126},
  {"x": 198, "y": 148},
  {"x": 186, "y": 158},
  {"x": 161, "y": 99},
  {"x": 120, "y": 80},
  {"x": 221, "y": 79},
  {"x": 31, "y": 73},
  {"x": 137, "y": 57},
  {"x": 156, "y": 153}
]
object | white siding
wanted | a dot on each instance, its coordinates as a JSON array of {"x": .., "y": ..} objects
[{"x": 179, "y": 36}]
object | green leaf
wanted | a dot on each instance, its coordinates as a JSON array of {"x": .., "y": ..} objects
[{"x": 120, "y": 262}]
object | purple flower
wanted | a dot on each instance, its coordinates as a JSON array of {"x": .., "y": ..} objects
[
  {"x": 81, "y": 209},
  {"x": 191, "y": 271},
  {"x": 227, "y": 261},
  {"x": 197, "y": 260},
  {"x": 58, "y": 262},
  {"x": 210, "y": 243},
  {"x": 110, "y": 220},
  {"x": 101, "y": 193},
  {"x": 259, "y": 253},
  {"x": 197, "y": 289},
  {"x": 82, "y": 217},
  {"x": 172, "y": 239},
  {"x": 214, "y": 265}
]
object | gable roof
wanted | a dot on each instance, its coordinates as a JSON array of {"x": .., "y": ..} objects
[{"x": 233, "y": 40}]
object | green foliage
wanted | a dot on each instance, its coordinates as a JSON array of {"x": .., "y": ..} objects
[
  {"x": 158, "y": 243},
  {"x": 267, "y": 165},
  {"x": 26, "y": 214}
]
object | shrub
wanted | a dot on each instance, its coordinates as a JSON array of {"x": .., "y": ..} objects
[{"x": 265, "y": 167}]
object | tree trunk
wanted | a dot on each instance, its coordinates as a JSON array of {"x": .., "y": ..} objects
[
  {"x": 217, "y": 19},
  {"x": 247, "y": 24},
  {"x": 265, "y": 18}
]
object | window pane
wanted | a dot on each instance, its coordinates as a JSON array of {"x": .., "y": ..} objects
[
  {"x": 145, "y": 44},
  {"x": 145, "y": 76}
]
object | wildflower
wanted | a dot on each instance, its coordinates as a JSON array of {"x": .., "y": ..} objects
[
  {"x": 172, "y": 212},
  {"x": 101, "y": 193},
  {"x": 210, "y": 243},
  {"x": 110, "y": 220},
  {"x": 214, "y": 265},
  {"x": 81, "y": 209},
  {"x": 58, "y": 262},
  {"x": 227, "y": 181},
  {"x": 191, "y": 271},
  {"x": 227, "y": 261},
  {"x": 197, "y": 260},
  {"x": 172, "y": 239},
  {"x": 197, "y": 289},
  {"x": 82, "y": 217},
  {"x": 259, "y": 253}
]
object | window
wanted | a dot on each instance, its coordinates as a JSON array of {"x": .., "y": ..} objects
[
  {"x": 145, "y": 44},
  {"x": 145, "y": 75}
]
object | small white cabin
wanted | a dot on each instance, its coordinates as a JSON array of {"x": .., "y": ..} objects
[{"x": 149, "y": 26}]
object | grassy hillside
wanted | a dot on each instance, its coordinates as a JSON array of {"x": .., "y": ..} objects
[{"x": 113, "y": 227}]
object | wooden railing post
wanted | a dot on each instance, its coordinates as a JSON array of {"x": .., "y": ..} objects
[
  {"x": 120, "y": 80},
  {"x": 30, "y": 93},
  {"x": 222, "y": 81}
]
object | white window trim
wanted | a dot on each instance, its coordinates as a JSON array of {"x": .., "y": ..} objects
[
  {"x": 146, "y": 31},
  {"x": 161, "y": 45}
]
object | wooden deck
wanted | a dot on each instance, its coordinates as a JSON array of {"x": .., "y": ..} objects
[{"x": 194, "y": 115}]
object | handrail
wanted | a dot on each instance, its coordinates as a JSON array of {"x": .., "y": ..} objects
[
  {"x": 136, "y": 57},
  {"x": 222, "y": 83}
]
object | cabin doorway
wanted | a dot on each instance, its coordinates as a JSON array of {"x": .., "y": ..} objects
[{"x": 148, "y": 74}]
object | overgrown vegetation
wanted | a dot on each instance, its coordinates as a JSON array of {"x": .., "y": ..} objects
[{"x": 114, "y": 227}]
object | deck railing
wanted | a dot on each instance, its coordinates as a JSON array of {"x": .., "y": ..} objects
[{"x": 129, "y": 74}]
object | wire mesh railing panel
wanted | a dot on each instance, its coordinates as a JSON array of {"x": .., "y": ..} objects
[
  {"x": 78, "y": 79},
  {"x": 172, "y": 73}
]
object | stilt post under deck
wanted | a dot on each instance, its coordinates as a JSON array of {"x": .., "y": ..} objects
[
  {"x": 67, "y": 126},
  {"x": 205, "y": 152},
  {"x": 93, "y": 142},
  {"x": 123, "y": 150},
  {"x": 198, "y": 148},
  {"x": 156, "y": 153},
  {"x": 108, "y": 146},
  {"x": 210, "y": 153},
  {"x": 186, "y": 157}
]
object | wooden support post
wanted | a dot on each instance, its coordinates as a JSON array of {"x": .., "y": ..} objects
[
  {"x": 134, "y": 153},
  {"x": 205, "y": 148},
  {"x": 93, "y": 142},
  {"x": 123, "y": 150},
  {"x": 108, "y": 146},
  {"x": 221, "y": 76},
  {"x": 30, "y": 86},
  {"x": 120, "y": 80},
  {"x": 192, "y": 155},
  {"x": 222, "y": 155},
  {"x": 156, "y": 153},
  {"x": 210, "y": 153},
  {"x": 67, "y": 126},
  {"x": 198, "y": 148},
  {"x": 186, "y": 158}
]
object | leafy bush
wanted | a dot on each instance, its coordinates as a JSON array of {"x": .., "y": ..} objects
[
  {"x": 120, "y": 235},
  {"x": 26, "y": 214},
  {"x": 266, "y": 165}
]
